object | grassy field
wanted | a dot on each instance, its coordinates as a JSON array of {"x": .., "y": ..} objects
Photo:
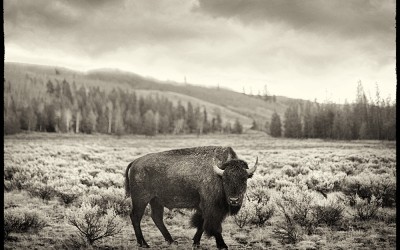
[{"x": 358, "y": 179}]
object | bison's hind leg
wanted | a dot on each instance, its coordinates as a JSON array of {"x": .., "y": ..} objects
[
  {"x": 136, "y": 217},
  {"x": 157, "y": 212},
  {"x": 197, "y": 222}
]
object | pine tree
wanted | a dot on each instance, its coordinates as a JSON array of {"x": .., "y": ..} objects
[
  {"x": 102, "y": 121},
  {"x": 50, "y": 87},
  {"x": 157, "y": 122},
  {"x": 360, "y": 113},
  {"x": 292, "y": 123},
  {"x": 275, "y": 126},
  {"x": 308, "y": 121},
  {"x": 218, "y": 122},
  {"x": 149, "y": 126},
  {"x": 50, "y": 118},
  {"x": 338, "y": 126},
  {"x": 164, "y": 124},
  {"x": 118, "y": 123},
  {"x": 237, "y": 127},
  {"x": 66, "y": 91},
  {"x": 206, "y": 124},
  {"x": 190, "y": 119},
  {"x": 28, "y": 118},
  {"x": 109, "y": 116},
  {"x": 181, "y": 112},
  {"x": 137, "y": 123},
  {"x": 11, "y": 123},
  {"x": 198, "y": 117},
  {"x": 254, "y": 125},
  {"x": 347, "y": 121}
]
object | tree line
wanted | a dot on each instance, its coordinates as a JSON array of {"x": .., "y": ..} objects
[
  {"x": 366, "y": 118},
  {"x": 64, "y": 108}
]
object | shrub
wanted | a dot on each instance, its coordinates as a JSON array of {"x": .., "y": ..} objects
[
  {"x": 387, "y": 215},
  {"x": 329, "y": 214},
  {"x": 324, "y": 182},
  {"x": 384, "y": 189},
  {"x": 282, "y": 184},
  {"x": 360, "y": 186},
  {"x": 73, "y": 242},
  {"x": 304, "y": 170},
  {"x": 366, "y": 209},
  {"x": 263, "y": 209},
  {"x": 289, "y": 171},
  {"x": 19, "y": 180},
  {"x": 111, "y": 198},
  {"x": 244, "y": 216},
  {"x": 86, "y": 179},
  {"x": 42, "y": 190},
  {"x": 296, "y": 205},
  {"x": 106, "y": 180},
  {"x": 8, "y": 185},
  {"x": 21, "y": 220},
  {"x": 9, "y": 172},
  {"x": 68, "y": 193},
  {"x": 92, "y": 224},
  {"x": 287, "y": 230}
]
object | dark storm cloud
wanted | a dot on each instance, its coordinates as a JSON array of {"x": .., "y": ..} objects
[
  {"x": 94, "y": 26},
  {"x": 349, "y": 18}
]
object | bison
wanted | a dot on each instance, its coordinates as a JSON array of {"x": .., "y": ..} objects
[{"x": 211, "y": 180}]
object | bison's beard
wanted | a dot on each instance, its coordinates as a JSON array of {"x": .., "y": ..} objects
[{"x": 233, "y": 210}]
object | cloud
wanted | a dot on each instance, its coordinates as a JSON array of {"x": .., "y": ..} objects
[
  {"x": 226, "y": 42},
  {"x": 95, "y": 27},
  {"x": 347, "y": 18}
]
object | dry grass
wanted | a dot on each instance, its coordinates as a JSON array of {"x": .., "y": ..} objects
[{"x": 100, "y": 160}]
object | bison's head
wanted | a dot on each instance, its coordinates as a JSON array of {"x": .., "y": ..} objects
[{"x": 234, "y": 175}]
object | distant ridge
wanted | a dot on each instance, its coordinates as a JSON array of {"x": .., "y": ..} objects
[{"x": 231, "y": 104}]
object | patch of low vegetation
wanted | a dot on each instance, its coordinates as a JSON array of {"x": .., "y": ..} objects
[
  {"x": 305, "y": 194},
  {"x": 92, "y": 223},
  {"x": 23, "y": 220}
]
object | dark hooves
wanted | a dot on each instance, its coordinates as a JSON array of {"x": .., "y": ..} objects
[{"x": 144, "y": 246}]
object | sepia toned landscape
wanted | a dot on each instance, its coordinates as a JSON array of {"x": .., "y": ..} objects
[
  {"x": 306, "y": 194},
  {"x": 278, "y": 118}
]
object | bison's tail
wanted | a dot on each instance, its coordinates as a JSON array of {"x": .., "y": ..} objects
[{"x": 127, "y": 191}]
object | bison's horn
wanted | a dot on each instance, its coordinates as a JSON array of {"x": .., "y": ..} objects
[
  {"x": 217, "y": 170},
  {"x": 251, "y": 171}
]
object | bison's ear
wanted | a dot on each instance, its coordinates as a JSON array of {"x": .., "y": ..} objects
[{"x": 251, "y": 171}]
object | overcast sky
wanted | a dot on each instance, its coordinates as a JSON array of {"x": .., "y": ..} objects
[{"x": 302, "y": 49}]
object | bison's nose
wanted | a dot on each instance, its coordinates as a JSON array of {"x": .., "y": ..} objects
[{"x": 234, "y": 201}]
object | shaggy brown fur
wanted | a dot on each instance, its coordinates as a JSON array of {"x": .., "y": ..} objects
[{"x": 184, "y": 178}]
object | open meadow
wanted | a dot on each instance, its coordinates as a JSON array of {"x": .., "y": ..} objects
[{"x": 305, "y": 194}]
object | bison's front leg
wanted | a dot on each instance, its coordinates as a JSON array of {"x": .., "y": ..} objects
[
  {"x": 220, "y": 241},
  {"x": 197, "y": 222},
  {"x": 212, "y": 226}
]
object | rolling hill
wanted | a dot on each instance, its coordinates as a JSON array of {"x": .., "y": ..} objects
[{"x": 230, "y": 104}]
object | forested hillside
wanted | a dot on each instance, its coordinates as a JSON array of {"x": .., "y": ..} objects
[
  {"x": 65, "y": 108},
  {"x": 53, "y": 99},
  {"x": 366, "y": 118},
  {"x": 246, "y": 108}
]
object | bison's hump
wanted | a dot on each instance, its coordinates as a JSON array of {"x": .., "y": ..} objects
[{"x": 197, "y": 150}]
